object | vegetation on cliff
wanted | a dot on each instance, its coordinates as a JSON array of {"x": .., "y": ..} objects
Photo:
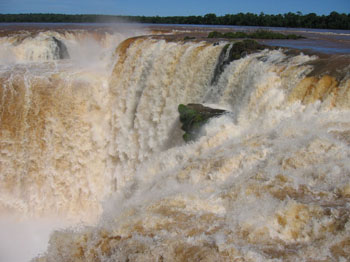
[{"x": 194, "y": 116}]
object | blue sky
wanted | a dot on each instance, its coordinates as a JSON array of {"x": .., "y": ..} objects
[{"x": 174, "y": 7}]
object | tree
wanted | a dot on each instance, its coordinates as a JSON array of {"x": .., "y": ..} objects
[{"x": 210, "y": 19}]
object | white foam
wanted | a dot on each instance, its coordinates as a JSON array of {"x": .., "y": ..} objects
[{"x": 261, "y": 180}]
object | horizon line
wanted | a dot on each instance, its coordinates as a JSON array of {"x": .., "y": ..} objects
[{"x": 261, "y": 13}]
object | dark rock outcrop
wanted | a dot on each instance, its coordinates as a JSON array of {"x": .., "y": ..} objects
[
  {"x": 235, "y": 51},
  {"x": 194, "y": 116},
  {"x": 61, "y": 50}
]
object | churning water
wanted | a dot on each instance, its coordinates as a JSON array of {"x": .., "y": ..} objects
[{"x": 90, "y": 143}]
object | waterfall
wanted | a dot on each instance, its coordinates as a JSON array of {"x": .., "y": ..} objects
[{"x": 102, "y": 145}]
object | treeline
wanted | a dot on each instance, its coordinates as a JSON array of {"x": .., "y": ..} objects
[
  {"x": 52, "y": 18},
  {"x": 258, "y": 34},
  {"x": 332, "y": 21}
]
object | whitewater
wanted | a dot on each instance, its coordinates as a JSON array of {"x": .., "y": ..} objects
[{"x": 93, "y": 166}]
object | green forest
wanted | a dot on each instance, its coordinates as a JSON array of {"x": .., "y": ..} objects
[{"x": 332, "y": 21}]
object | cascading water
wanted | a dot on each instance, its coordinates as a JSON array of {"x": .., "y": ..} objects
[
  {"x": 268, "y": 181},
  {"x": 53, "y": 133}
]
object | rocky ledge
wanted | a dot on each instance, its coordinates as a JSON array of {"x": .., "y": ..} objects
[{"x": 194, "y": 116}]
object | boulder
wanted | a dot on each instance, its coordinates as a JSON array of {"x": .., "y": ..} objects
[{"x": 194, "y": 116}]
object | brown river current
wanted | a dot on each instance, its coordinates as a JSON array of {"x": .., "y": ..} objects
[{"x": 93, "y": 166}]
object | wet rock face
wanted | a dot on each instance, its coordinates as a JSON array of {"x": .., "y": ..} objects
[
  {"x": 61, "y": 50},
  {"x": 194, "y": 116},
  {"x": 233, "y": 52}
]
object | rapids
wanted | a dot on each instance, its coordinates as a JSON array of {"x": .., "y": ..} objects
[{"x": 92, "y": 142}]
